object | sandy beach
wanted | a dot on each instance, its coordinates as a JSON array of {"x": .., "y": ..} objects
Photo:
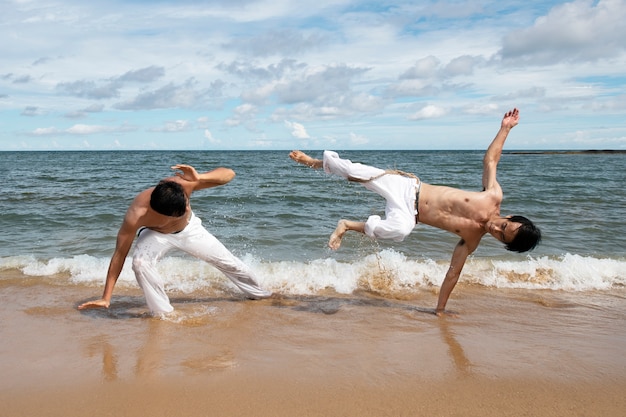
[{"x": 508, "y": 353}]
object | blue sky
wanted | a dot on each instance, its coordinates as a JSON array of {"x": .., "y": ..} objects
[{"x": 323, "y": 74}]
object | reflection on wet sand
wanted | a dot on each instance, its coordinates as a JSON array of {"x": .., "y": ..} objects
[
  {"x": 197, "y": 338},
  {"x": 153, "y": 348},
  {"x": 100, "y": 345},
  {"x": 461, "y": 361},
  {"x": 150, "y": 353}
]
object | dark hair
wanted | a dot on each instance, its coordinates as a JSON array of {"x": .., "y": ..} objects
[
  {"x": 168, "y": 198},
  {"x": 527, "y": 237}
]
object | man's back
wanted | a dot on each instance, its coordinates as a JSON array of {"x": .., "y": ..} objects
[{"x": 140, "y": 214}]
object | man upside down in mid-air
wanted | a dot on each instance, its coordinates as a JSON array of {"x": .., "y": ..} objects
[{"x": 468, "y": 214}]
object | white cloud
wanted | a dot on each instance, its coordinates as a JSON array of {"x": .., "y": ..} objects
[
  {"x": 42, "y": 131},
  {"x": 428, "y": 112},
  {"x": 86, "y": 129},
  {"x": 481, "y": 109},
  {"x": 209, "y": 136},
  {"x": 358, "y": 140},
  {"x": 174, "y": 126},
  {"x": 81, "y": 129},
  {"x": 318, "y": 84},
  {"x": 581, "y": 30},
  {"x": 32, "y": 111},
  {"x": 463, "y": 65},
  {"x": 168, "y": 96},
  {"x": 279, "y": 42},
  {"x": 297, "y": 130},
  {"x": 202, "y": 122},
  {"x": 424, "y": 68},
  {"x": 243, "y": 115}
]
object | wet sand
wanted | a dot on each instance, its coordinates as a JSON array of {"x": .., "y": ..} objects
[{"x": 508, "y": 353}]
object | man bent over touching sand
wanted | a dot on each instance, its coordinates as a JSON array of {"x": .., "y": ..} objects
[
  {"x": 468, "y": 214},
  {"x": 163, "y": 217}
]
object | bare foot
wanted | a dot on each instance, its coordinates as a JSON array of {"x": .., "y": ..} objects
[
  {"x": 335, "y": 239},
  {"x": 304, "y": 159},
  {"x": 442, "y": 313}
]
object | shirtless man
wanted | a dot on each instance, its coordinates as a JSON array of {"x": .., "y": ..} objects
[
  {"x": 163, "y": 220},
  {"x": 468, "y": 214}
]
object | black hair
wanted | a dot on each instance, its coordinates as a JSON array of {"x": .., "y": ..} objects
[
  {"x": 527, "y": 236},
  {"x": 168, "y": 198}
]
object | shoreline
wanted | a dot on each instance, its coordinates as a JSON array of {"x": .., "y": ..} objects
[{"x": 568, "y": 152}]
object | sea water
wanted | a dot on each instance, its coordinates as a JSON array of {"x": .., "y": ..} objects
[{"x": 61, "y": 212}]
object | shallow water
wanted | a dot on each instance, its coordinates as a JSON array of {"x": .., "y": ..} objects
[
  {"x": 61, "y": 215},
  {"x": 498, "y": 332},
  {"x": 507, "y": 352}
]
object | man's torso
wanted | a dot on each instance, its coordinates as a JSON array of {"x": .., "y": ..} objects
[{"x": 461, "y": 212}]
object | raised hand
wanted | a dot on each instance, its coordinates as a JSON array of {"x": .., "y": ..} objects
[
  {"x": 511, "y": 118},
  {"x": 188, "y": 173}
]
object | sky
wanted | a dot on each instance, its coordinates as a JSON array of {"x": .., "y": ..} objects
[{"x": 310, "y": 74}]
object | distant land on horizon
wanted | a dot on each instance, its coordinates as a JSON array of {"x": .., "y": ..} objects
[{"x": 568, "y": 152}]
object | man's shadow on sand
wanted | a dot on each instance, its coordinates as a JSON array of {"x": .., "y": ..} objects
[
  {"x": 334, "y": 304},
  {"x": 128, "y": 307}
]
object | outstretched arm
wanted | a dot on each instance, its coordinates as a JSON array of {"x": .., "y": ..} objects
[
  {"x": 194, "y": 181},
  {"x": 304, "y": 159},
  {"x": 494, "y": 151}
]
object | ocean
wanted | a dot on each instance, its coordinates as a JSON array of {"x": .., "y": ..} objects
[
  {"x": 61, "y": 212},
  {"x": 353, "y": 333}
]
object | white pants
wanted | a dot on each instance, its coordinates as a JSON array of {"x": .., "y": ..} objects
[
  {"x": 399, "y": 192},
  {"x": 197, "y": 241}
]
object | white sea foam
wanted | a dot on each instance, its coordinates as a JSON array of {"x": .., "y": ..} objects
[{"x": 387, "y": 271}]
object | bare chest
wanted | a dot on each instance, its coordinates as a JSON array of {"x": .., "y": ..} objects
[{"x": 463, "y": 213}]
